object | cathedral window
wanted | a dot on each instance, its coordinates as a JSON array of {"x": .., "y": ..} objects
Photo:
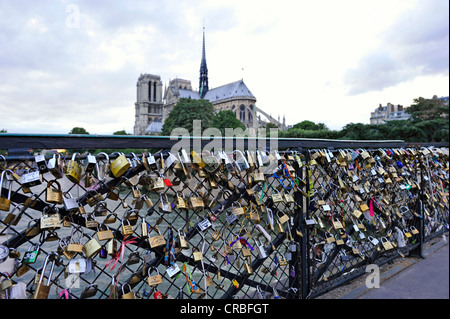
[{"x": 242, "y": 113}]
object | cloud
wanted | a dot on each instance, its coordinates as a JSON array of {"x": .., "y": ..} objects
[{"x": 416, "y": 44}]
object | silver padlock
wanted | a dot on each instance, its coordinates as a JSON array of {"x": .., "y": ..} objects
[
  {"x": 41, "y": 163},
  {"x": 260, "y": 249},
  {"x": 54, "y": 166},
  {"x": 70, "y": 203},
  {"x": 30, "y": 179},
  {"x": 90, "y": 163},
  {"x": 241, "y": 162}
]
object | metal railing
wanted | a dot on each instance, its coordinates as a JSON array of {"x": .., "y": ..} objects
[{"x": 291, "y": 222}]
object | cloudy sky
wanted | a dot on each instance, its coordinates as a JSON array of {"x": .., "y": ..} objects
[{"x": 67, "y": 63}]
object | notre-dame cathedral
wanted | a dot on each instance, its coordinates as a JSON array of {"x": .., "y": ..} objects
[{"x": 153, "y": 105}]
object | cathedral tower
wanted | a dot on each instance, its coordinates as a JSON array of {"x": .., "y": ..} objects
[{"x": 203, "y": 85}]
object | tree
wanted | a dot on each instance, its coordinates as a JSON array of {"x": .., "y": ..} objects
[
  {"x": 226, "y": 119},
  {"x": 428, "y": 109},
  {"x": 78, "y": 130},
  {"x": 309, "y": 125},
  {"x": 185, "y": 112},
  {"x": 123, "y": 132}
]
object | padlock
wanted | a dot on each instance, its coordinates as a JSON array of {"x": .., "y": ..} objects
[
  {"x": 260, "y": 249},
  {"x": 70, "y": 203},
  {"x": 276, "y": 197},
  {"x": 127, "y": 229},
  {"x": 31, "y": 254},
  {"x": 158, "y": 184},
  {"x": 197, "y": 254},
  {"x": 90, "y": 221},
  {"x": 144, "y": 228},
  {"x": 104, "y": 233},
  {"x": 149, "y": 162},
  {"x": 230, "y": 217},
  {"x": 73, "y": 170},
  {"x": 77, "y": 266},
  {"x": 120, "y": 165},
  {"x": 42, "y": 290},
  {"x": 103, "y": 166},
  {"x": 55, "y": 166},
  {"x": 129, "y": 295},
  {"x": 237, "y": 211},
  {"x": 164, "y": 205},
  {"x": 196, "y": 201},
  {"x": 242, "y": 163},
  {"x": 90, "y": 163},
  {"x": 5, "y": 203},
  {"x": 50, "y": 220},
  {"x": 387, "y": 245},
  {"x": 75, "y": 245},
  {"x": 15, "y": 215},
  {"x": 92, "y": 247},
  {"x": 114, "y": 194},
  {"x": 132, "y": 216},
  {"x": 155, "y": 279},
  {"x": 54, "y": 196},
  {"x": 182, "y": 241},
  {"x": 89, "y": 291},
  {"x": 111, "y": 247},
  {"x": 181, "y": 201},
  {"x": 156, "y": 241}
]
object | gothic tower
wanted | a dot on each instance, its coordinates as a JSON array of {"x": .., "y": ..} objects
[
  {"x": 203, "y": 85},
  {"x": 149, "y": 103}
]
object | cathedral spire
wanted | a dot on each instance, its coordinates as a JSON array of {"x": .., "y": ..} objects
[{"x": 203, "y": 85}]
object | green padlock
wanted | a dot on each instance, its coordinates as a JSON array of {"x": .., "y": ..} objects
[{"x": 31, "y": 254}]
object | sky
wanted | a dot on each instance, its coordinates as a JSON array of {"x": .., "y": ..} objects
[{"x": 75, "y": 63}]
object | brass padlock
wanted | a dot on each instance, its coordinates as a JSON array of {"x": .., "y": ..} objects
[
  {"x": 196, "y": 201},
  {"x": 104, "y": 234},
  {"x": 13, "y": 218},
  {"x": 158, "y": 240},
  {"x": 182, "y": 241},
  {"x": 387, "y": 245},
  {"x": 120, "y": 165},
  {"x": 73, "y": 170},
  {"x": 92, "y": 247},
  {"x": 50, "y": 220},
  {"x": 155, "y": 279},
  {"x": 198, "y": 256},
  {"x": 127, "y": 229},
  {"x": 237, "y": 210},
  {"x": 54, "y": 196},
  {"x": 181, "y": 201},
  {"x": 277, "y": 197},
  {"x": 129, "y": 295},
  {"x": 114, "y": 193},
  {"x": 42, "y": 290}
]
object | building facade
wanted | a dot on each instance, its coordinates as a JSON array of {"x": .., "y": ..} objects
[
  {"x": 391, "y": 112},
  {"x": 152, "y": 107}
]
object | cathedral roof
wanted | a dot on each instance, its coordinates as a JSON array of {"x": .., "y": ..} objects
[{"x": 230, "y": 90}]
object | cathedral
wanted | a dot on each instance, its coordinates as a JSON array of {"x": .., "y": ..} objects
[{"x": 153, "y": 104}]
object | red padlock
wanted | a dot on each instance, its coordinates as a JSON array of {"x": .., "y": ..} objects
[{"x": 157, "y": 295}]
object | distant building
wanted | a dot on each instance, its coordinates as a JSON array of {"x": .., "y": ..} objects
[
  {"x": 391, "y": 112},
  {"x": 152, "y": 107}
]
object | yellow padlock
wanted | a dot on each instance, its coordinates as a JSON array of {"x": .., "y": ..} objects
[{"x": 120, "y": 165}]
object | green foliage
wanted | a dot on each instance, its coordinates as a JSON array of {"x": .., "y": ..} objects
[
  {"x": 226, "y": 119},
  {"x": 428, "y": 109},
  {"x": 185, "y": 112},
  {"x": 78, "y": 130},
  {"x": 309, "y": 125},
  {"x": 122, "y": 132}
]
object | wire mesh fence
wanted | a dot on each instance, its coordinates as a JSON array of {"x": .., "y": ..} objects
[{"x": 243, "y": 224}]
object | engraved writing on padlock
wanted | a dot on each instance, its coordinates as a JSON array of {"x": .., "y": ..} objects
[
  {"x": 155, "y": 279},
  {"x": 5, "y": 203}
]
